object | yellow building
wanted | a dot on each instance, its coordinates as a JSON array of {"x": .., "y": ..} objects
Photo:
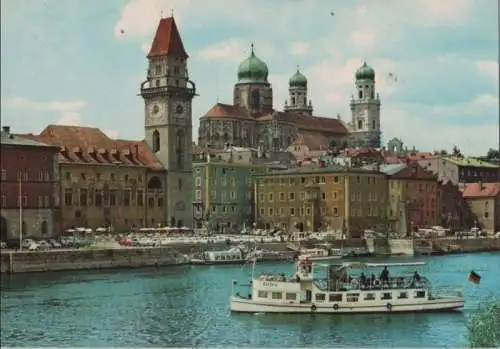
[
  {"x": 312, "y": 199},
  {"x": 106, "y": 182}
]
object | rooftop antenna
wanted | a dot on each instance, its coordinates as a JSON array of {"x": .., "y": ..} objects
[
  {"x": 218, "y": 99},
  {"x": 172, "y": 12},
  {"x": 161, "y": 14},
  {"x": 252, "y": 46},
  {"x": 298, "y": 67}
]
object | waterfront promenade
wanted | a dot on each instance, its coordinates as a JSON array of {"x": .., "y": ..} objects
[{"x": 137, "y": 257}]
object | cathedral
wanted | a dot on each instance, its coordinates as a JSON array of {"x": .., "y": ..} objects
[{"x": 252, "y": 121}]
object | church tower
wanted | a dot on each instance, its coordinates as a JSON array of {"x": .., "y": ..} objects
[
  {"x": 297, "y": 95},
  {"x": 168, "y": 95},
  {"x": 365, "y": 109},
  {"x": 252, "y": 91}
]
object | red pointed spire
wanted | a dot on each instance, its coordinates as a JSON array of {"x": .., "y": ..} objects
[{"x": 167, "y": 40}]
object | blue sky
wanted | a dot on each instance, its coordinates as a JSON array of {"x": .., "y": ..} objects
[{"x": 67, "y": 62}]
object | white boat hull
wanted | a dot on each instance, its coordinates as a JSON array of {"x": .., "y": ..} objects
[
  {"x": 325, "y": 258},
  {"x": 238, "y": 304}
]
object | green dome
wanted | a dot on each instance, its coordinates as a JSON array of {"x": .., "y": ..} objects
[
  {"x": 252, "y": 70},
  {"x": 365, "y": 73},
  {"x": 298, "y": 80}
]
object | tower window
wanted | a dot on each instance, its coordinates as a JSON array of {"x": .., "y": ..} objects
[
  {"x": 373, "y": 94},
  {"x": 360, "y": 94},
  {"x": 360, "y": 124},
  {"x": 158, "y": 69},
  {"x": 156, "y": 141},
  {"x": 157, "y": 82},
  {"x": 177, "y": 70},
  {"x": 176, "y": 82},
  {"x": 255, "y": 99},
  {"x": 305, "y": 100},
  {"x": 374, "y": 124},
  {"x": 293, "y": 100},
  {"x": 180, "y": 149}
]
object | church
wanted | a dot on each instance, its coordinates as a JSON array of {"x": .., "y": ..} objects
[{"x": 251, "y": 121}]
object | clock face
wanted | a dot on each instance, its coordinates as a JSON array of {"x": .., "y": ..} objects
[
  {"x": 179, "y": 109},
  {"x": 155, "y": 109}
]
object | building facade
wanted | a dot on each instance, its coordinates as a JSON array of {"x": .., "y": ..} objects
[
  {"x": 461, "y": 170},
  {"x": 29, "y": 188},
  {"x": 252, "y": 121},
  {"x": 106, "y": 182},
  {"x": 312, "y": 199},
  {"x": 484, "y": 201},
  {"x": 413, "y": 195},
  {"x": 454, "y": 211},
  {"x": 223, "y": 195}
]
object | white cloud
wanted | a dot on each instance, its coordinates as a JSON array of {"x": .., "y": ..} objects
[
  {"x": 113, "y": 134},
  {"x": 363, "y": 38},
  {"x": 299, "y": 48},
  {"x": 54, "y": 105},
  {"x": 231, "y": 50},
  {"x": 145, "y": 48},
  {"x": 70, "y": 118},
  {"x": 446, "y": 10},
  {"x": 361, "y": 10},
  {"x": 488, "y": 68},
  {"x": 480, "y": 105}
]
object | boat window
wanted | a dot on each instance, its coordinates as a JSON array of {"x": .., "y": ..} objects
[
  {"x": 262, "y": 294},
  {"x": 352, "y": 297},
  {"x": 369, "y": 296},
  {"x": 420, "y": 294},
  {"x": 403, "y": 295},
  {"x": 386, "y": 295},
  {"x": 276, "y": 295},
  {"x": 336, "y": 297},
  {"x": 291, "y": 296},
  {"x": 320, "y": 297}
]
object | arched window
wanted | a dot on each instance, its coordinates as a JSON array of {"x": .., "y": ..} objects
[
  {"x": 373, "y": 94},
  {"x": 226, "y": 137},
  {"x": 293, "y": 100},
  {"x": 360, "y": 94},
  {"x": 305, "y": 100},
  {"x": 360, "y": 124},
  {"x": 156, "y": 141},
  {"x": 255, "y": 99},
  {"x": 180, "y": 149},
  {"x": 374, "y": 124},
  {"x": 44, "y": 228}
]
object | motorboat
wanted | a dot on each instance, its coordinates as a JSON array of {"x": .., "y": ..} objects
[
  {"x": 344, "y": 288},
  {"x": 233, "y": 255},
  {"x": 320, "y": 254}
]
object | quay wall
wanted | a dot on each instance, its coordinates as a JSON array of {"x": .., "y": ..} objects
[{"x": 454, "y": 245}]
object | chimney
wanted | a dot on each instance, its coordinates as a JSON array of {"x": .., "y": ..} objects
[{"x": 6, "y": 130}]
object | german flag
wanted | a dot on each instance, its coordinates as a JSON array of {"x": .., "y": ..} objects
[{"x": 474, "y": 277}]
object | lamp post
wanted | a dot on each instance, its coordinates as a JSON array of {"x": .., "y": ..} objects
[{"x": 20, "y": 214}]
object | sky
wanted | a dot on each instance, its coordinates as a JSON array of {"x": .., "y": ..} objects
[{"x": 81, "y": 62}]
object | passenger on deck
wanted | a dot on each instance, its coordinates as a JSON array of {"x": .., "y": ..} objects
[
  {"x": 362, "y": 280},
  {"x": 372, "y": 280},
  {"x": 416, "y": 277},
  {"x": 384, "y": 275}
]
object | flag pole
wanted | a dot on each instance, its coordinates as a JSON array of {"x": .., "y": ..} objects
[{"x": 20, "y": 215}]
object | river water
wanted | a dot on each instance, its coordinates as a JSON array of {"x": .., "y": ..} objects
[{"x": 188, "y": 306}]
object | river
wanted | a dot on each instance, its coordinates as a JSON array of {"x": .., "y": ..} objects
[{"x": 188, "y": 306}]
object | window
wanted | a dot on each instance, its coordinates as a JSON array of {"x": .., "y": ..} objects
[
  {"x": 323, "y": 196},
  {"x": 177, "y": 70},
  {"x": 112, "y": 176},
  {"x": 282, "y": 211},
  {"x": 352, "y": 297},
  {"x": 4, "y": 201},
  {"x": 68, "y": 197},
  {"x": 255, "y": 99},
  {"x": 386, "y": 295},
  {"x": 83, "y": 175},
  {"x": 180, "y": 149},
  {"x": 262, "y": 212},
  {"x": 360, "y": 124},
  {"x": 47, "y": 201},
  {"x": 374, "y": 124},
  {"x": 335, "y": 195},
  {"x": 282, "y": 196},
  {"x": 112, "y": 197},
  {"x": 198, "y": 181},
  {"x": 276, "y": 295},
  {"x": 335, "y": 297},
  {"x": 160, "y": 202},
  {"x": 151, "y": 202},
  {"x": 262, "y": 294},
  {"x": 232, "y": 195},
  {"x": 335, "y": 211},
  {"x": 320, "y": 297},
  {"x": 157, "y": 82},
  {"x": 156, "y": 141},
  {"x": 158, "y": 69},
  {"x": 419, "y": 294},
  {"x": 4, "y": 174},
  {"x": 270, "y": 197},
  {"x": 292, "y": 211},
  {"x": 68, "y": 176},
  {"x": 198, "y": 195},
  {"x": 262, "y": 197},
  {"x": 369, "y": 296},
  {"x": 293, "y": 101},
  {"x": 98, "y": 198},
  {"x": 140, "y": 198},
  {"x": 83, "y": 197},
  {"x": 403, "y": 295},
  {"x": 270, "y": 211},
  {"x": 291, "y": 296},
  {"x": 40, "y": 176},
  {"x": 126, "y": 197},
  {"x": 291, "y": 196},
  {"x": 40, "y": 201}
]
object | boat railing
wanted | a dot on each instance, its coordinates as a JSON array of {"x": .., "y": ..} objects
[
  {"x": 446, "y": 292},
  {"x": 407, "y": 282}
]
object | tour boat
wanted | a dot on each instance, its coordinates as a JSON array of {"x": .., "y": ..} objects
[
  {"x": 344, "y": 288},
  {"x": 320, "y": 254},
  {"x": 234, "y": 255},
  {"x": 269, "y": 256}
]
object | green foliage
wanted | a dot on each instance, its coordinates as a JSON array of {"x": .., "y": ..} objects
[{"x": 484, "y": 327}]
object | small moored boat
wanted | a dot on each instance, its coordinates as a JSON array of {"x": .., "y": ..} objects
[
  {"x": 234, "y": 255},
  {"x": 320, "y": 254},
  {"x": 342, "y": 288}
]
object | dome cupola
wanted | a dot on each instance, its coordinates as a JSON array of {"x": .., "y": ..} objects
[
  {"x": 298, "y": 80},
  {"x": 252, "y": 70},
  {"x": 365, "y": 73}
]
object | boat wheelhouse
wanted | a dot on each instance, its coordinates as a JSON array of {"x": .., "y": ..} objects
[{"x": 344, "y": 288}]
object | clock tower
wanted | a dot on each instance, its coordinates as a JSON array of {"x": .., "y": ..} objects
[{"x": 168, "y": 95}]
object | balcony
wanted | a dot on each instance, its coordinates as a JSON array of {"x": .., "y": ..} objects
[{"x": 148, "y": 90}]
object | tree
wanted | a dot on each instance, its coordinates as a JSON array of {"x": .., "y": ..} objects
[
  {"x": 493, "y": 154},
  {"x": 484, "y": 327},
  {"x": 443, "y": 152},
  {"x": 456, "y": 151}
]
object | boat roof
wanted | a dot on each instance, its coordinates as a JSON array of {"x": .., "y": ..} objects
[{"x": 372, "y": 265}]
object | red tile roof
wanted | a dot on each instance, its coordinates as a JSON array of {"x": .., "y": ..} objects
[
  {"x": 90, "y": 145},
  {"x": 167, "y": 40},
  {"x": 481, "y": 190},
  {"x": 220, "y": 111}
]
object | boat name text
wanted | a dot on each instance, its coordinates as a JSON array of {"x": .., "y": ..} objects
[{"x": 269, "y": 284}]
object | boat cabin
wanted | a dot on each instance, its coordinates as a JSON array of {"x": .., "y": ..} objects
[{"x": 234, "y": 254}]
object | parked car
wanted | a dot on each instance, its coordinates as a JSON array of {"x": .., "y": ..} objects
[
  {"x": 33, "y": 246},
  {"x": 3, "y": 245},
  {"x": 55, "y": 243},
  {"x": 44, "y": 245},
  {"x": 27, "y": 243}
]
